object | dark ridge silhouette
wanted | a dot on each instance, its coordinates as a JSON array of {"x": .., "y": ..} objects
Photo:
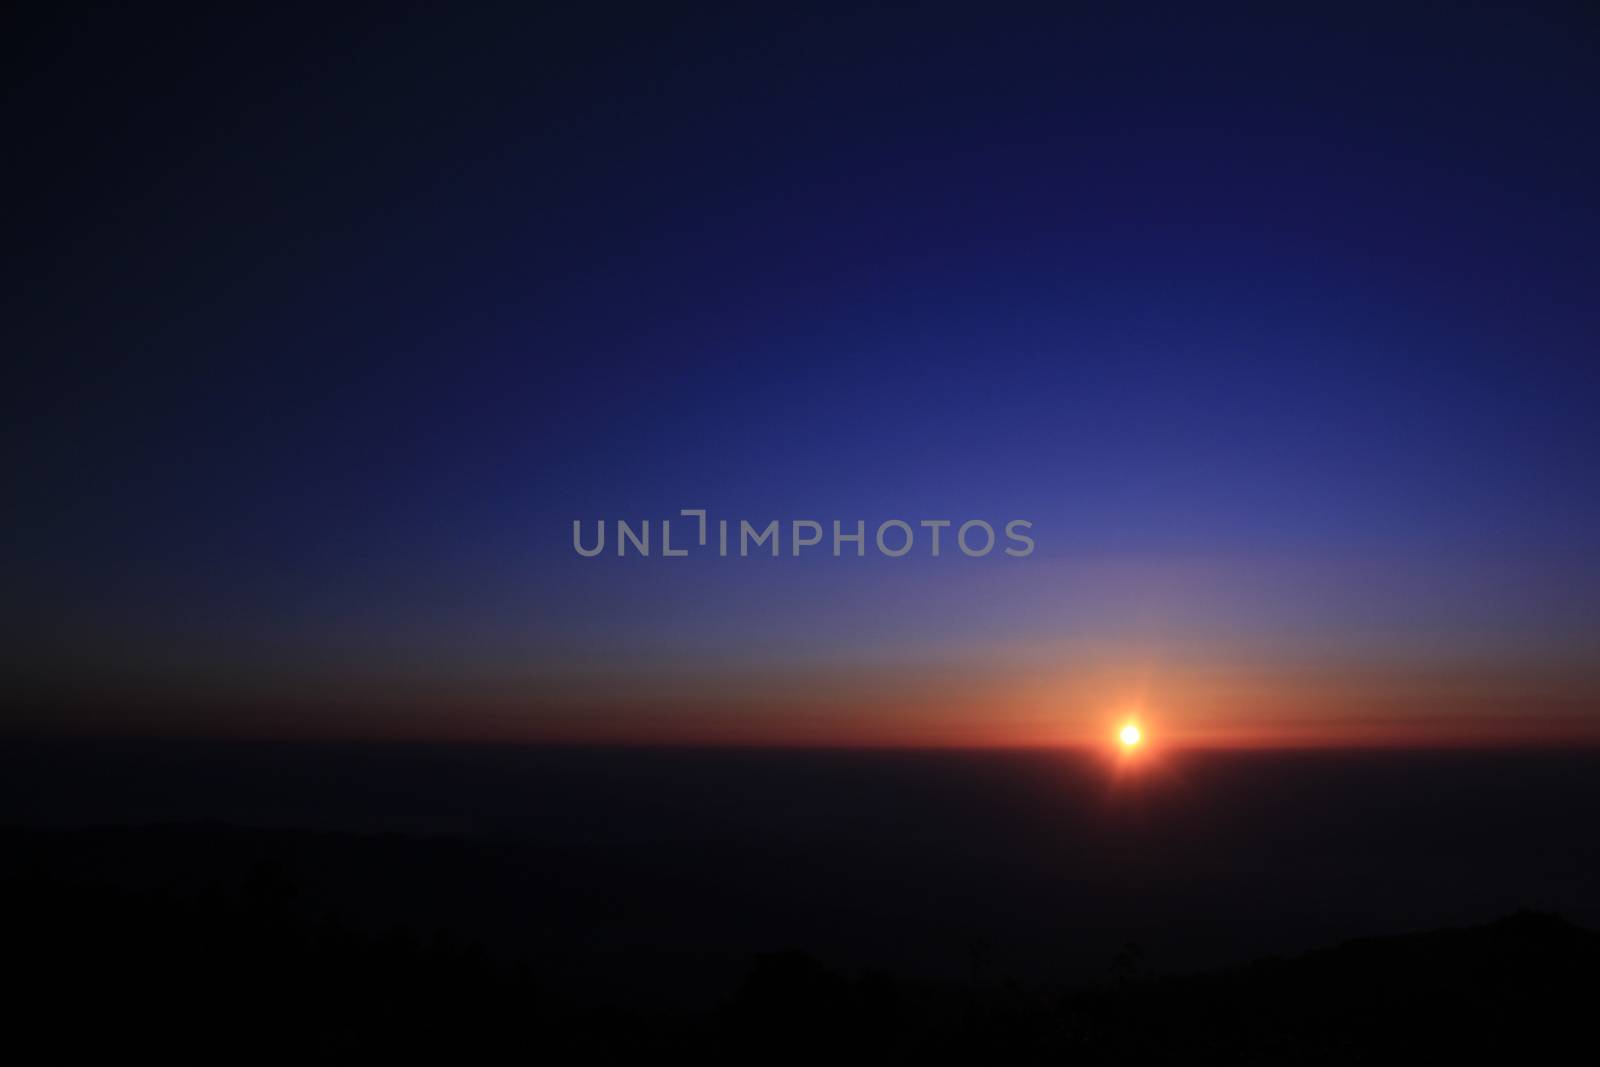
[{"x": 232, "y": 958}]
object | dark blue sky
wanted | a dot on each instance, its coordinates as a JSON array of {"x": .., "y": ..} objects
[{"x": 1280, "y": 326}]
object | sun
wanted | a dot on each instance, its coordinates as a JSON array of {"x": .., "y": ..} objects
[{"x": 1130, "y": 735}]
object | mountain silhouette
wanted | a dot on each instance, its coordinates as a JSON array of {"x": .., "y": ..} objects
[{"x": 234, "y": 959}]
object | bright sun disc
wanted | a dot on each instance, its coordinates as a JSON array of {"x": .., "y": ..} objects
[{"x": 1130, "y": 735}]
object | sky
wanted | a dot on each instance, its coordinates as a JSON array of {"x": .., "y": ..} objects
[{"x": 1277, "y": 325}]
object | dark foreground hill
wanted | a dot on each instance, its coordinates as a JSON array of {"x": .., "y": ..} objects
[{"x": 229, "y": 961}]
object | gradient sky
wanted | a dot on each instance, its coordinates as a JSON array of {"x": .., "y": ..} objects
[{"x": 1280, "y": 327}]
